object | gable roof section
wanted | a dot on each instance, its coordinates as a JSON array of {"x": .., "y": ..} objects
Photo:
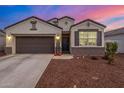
[
  {"x": 66, "y": 17},
  {"x": 61, "y": 18},
  {"x": 53, "y": 19},
  {"x": 90, "y": 21},
  {"x": 35, "y": 18},
  {"x": 115, "y": 32},
  {"x": 1, "y": 32}
]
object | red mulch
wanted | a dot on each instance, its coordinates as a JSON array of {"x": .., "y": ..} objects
[{"x": 84, "y": 73}]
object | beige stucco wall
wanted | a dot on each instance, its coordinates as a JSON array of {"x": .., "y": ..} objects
[
  {"x": 84, "y": 26},
  {"x": 24, "y": 27},
  {"x": 61, "y": 23}
]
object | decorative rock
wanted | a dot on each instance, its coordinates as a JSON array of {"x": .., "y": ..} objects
[
  {"x": 74, "y": 86},
  {"x": 78, "y": 57},
  {"x": 83, "y": 57},
  {"x": 95, "y": 78}
]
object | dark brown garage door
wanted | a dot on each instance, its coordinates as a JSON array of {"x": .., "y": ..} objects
[{"x": 34, "y": 44}]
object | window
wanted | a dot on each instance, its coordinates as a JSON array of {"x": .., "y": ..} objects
[{"x": 87, "y": 38}]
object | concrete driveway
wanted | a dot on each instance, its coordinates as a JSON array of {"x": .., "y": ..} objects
[{"x": 22, "y": 71}]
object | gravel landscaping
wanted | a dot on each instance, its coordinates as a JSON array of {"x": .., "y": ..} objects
[{"x": 88, "y": 72}]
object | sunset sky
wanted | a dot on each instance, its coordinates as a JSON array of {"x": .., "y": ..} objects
[{"x": 111, "y": 16}]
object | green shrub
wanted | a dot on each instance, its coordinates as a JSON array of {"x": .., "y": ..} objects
[{"x": 110, "y": 51}]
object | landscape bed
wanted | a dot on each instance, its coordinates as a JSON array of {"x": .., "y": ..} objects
[
  {"x": 2, "y": 54},
  {"x": 88, "y": 72}
]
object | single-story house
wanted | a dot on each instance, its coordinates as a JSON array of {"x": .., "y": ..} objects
[
  {"x": 2, "y": 40},
  {"x": 57, "y": 36},
  {"x": 117, "y": 36}
]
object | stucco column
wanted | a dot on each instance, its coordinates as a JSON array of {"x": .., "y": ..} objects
[
  {"x": 9, "y": 43},
  {"x": 58, "y": 45}
]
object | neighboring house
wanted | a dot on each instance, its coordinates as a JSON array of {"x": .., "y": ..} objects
[
  {"x": 117, "y": 36},
  {"x": 2, "y": 40},
  {"x": 35, "y": 35}
]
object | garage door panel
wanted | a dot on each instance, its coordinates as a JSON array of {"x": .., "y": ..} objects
[{"x": 34, "y": 44}]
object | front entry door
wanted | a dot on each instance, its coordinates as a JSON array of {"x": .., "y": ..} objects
[{"x": 65, "y": 44}]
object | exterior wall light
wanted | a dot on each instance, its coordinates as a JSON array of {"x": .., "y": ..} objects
[
  {"x": 9, "y": 37},
  {"x": 57, "y": 37},
  {"x": 58, "y": 45}
]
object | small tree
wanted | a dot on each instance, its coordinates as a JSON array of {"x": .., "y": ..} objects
[{"x": 110, "y": 51}]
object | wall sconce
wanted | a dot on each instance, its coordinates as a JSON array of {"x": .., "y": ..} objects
[
  {"x": 9, "y": 37},
  {"x": 57, "y": 37}
]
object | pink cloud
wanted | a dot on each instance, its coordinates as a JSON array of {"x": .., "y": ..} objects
[
  {"x": 104, "y": 13},
  {"x": 115, "y": 25}
]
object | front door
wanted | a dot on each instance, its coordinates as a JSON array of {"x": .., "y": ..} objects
[{"x": 65, "y": 44}]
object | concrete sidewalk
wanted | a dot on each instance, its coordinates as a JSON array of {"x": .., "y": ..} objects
[
  {"x": 65, "y": 56},
  {"x": 22, "y": 71}
]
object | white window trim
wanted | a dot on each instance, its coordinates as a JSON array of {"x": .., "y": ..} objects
[{"x": 89, "y": 38}]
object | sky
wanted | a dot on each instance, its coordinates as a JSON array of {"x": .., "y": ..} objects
[{"x": 110, "y": 15}]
